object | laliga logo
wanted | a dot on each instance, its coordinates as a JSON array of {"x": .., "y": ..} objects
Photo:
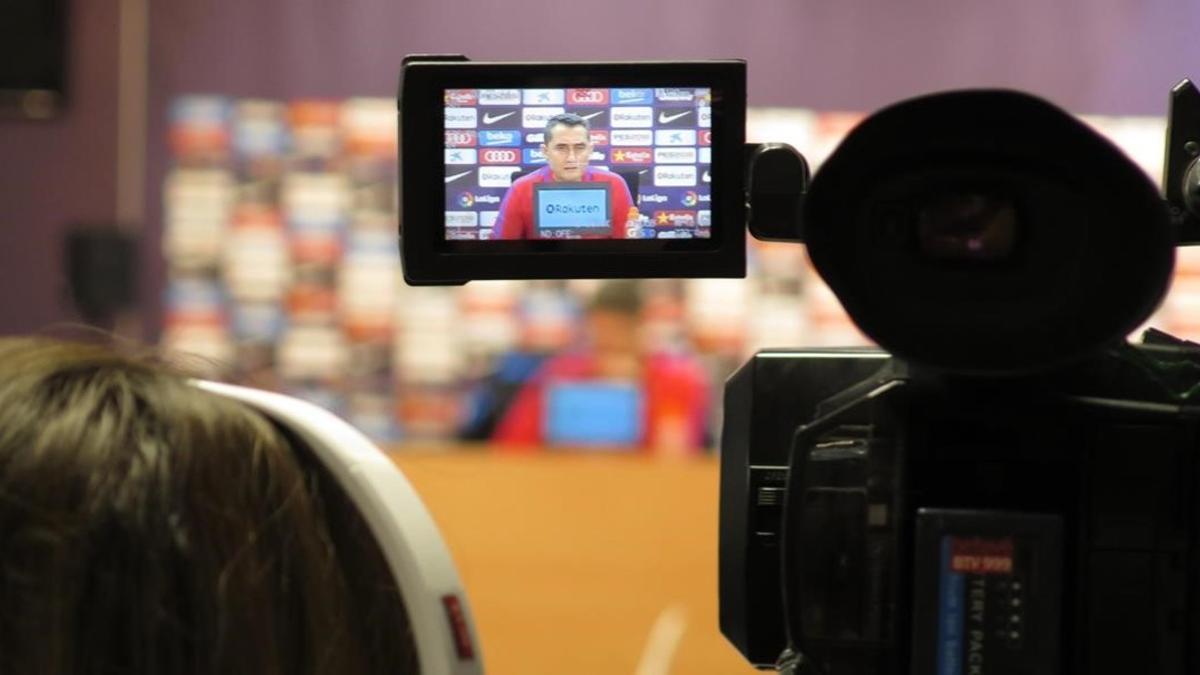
[
  {"x": 690, "y": 198},
  {"x": 466, "y": 200}
]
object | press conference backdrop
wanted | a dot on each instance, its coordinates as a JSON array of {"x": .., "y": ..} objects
[
  {"x": 283, "y": 272},
  {"x": 659, "y": 139}
]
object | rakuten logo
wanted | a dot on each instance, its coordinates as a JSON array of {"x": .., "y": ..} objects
[
  {"x": 704, "y": 116},
  {"x": 507, "y": 139},
  {"x": 543, "y": 96},
  {"x": 705, "y": 156},
  {"x": 675, "y": 218},
  {"x": 460, "y": 139},
  {"x": 488, "y": 218},
  {"x": 674, "y": 155},
  {"x": 460, "y": 156},
  {"x": 587, "y": 96},
  {"x": 461, "y": 118},
  {"x": 599, "y": 137},
  {"x": 499, "y": 97},
  {"x": 462, "y": 219},
  {"x": 497, "y": 176},
  {"x": 633, "y": 116},
  {"x": 461, "y": 97},
  {"x": 675, "y": 137},
  {"x": 632, "y": 156},
  {"x": 643, "y": 138},
  {"x": 674, "y": 176},
  {"x": 675, "y": 94},
  {"x": 536, "y": 118},
  {"x": 632, "y": 96},
  {"x": 499, "y": 156}
]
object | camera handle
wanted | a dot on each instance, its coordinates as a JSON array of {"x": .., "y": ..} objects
[
  {"x": 777, "y": 179},
  {"x": 1181, "y": 175}
]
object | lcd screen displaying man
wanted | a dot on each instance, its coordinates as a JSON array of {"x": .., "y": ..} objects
[{"x": 567, "y": 147}]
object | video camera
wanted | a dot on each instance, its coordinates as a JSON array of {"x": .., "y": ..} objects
[{"x": 1010, "y": 487}]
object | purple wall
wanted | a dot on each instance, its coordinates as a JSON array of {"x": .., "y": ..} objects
[
  {"x": 58, "y": 173},
  {"x": 1096, "y": 56}
]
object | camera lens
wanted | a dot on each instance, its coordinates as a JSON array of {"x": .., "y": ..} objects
[{"x": 967, "y": 226}]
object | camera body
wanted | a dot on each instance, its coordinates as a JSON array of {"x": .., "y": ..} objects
[{"x": 914, "y": 523}]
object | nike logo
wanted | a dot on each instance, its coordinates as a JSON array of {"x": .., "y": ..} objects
[
  {"x": 451, "y": 179},
  {"x": 489, "y": 118},
  {"x": 664, "y": 118},
  {"x": 588, "y": 117}
]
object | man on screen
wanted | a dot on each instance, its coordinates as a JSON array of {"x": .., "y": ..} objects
[{"x": 567, "y": 146}]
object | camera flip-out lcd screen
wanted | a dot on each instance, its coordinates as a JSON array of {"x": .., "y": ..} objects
[
  {"x": 572, "y": 170},
  {"x": 648, "y": 149}
]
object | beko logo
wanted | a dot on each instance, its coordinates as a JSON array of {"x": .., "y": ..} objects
[
  {"x": 675, "y": 176},
  {"x": 617, "y": 137},
  {"x": 497, "y": 176},
  {"x": 491, "y": 117},
  {"x": 460, "y": 118},
  {"x": 534, "y": 118},
  {"x": 461, "y": 139},
  {"x": 633, "y": 116},
  {"x": 675, "y": 137},
  {"x": 543, "y": 96},
  {"x": 674, "y": 155},
  {"x": 453, "y": 177},
  {"x": 632, "y": 96},
  {"x": 667, "y": 117},
  {"x": 460, "y": 155},
  {"x": 500, "y": 138},
  {"x": 499, "y": 156},
  {"x": 499, "y": 97},
  {"x": 462, "y": 219},
  {"x": 599, "y": 137},
  {"x": 587, "y": 96}
]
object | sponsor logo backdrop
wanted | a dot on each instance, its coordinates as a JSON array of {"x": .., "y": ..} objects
[{"x": 658, "y": 138}]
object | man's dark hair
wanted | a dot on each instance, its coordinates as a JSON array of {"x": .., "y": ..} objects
[
  {"x": 618, "y": 296},
  {"x": 148, "y": 526},
  {"x": 565, "y": 119}
]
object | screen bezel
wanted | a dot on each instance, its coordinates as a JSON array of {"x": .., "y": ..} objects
[{"x": 429, "y": 258}]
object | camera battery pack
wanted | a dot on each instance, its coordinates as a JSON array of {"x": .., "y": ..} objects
[{"x": 986, "y": 595}]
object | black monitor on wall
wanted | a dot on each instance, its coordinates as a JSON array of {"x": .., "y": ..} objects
[{"x": 33, "y": 57}]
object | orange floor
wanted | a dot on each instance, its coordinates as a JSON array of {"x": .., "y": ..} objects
[{"x": 589, "y": 565}]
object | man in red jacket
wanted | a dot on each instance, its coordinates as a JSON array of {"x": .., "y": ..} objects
[{"x": 567, "y": 146}]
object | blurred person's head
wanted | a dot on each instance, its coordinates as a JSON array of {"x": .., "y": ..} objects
[
  {"x": 148, "y": 526},
  {"x": 567, "y": 145},
  {"x": 614, "y": 317}
]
